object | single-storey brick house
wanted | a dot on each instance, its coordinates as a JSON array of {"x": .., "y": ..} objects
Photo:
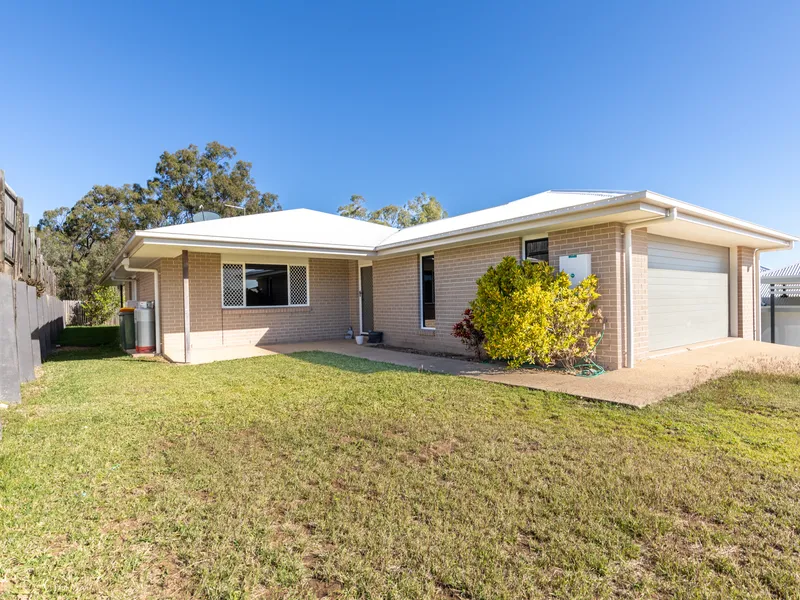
[{"x": 670, "y": 273}]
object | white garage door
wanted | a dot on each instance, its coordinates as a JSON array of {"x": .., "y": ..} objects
[{"x": 687, "y": 292}]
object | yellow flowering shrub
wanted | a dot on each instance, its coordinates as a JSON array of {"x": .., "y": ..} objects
[{"x": 529, "y": 314}]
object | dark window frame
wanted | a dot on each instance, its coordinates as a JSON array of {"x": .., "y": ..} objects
[
  {"x": 540, "y": 254},
  {"x": 427, "y": 292}
]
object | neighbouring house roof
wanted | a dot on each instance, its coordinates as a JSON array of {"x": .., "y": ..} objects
[
  {"x": 314, "y": 233},
  {"x": 786, "y": 282}
]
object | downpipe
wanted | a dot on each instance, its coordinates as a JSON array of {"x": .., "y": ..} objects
[{"x": 671, "y": 215}]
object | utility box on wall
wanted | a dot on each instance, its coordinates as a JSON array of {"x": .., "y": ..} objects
[{"x": 577, "y": 266}]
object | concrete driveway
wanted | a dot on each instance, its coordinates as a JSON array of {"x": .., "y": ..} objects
[{"x": 652, "y": 380}]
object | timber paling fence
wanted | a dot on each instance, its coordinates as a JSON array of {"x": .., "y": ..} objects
[
  {"x": 75, "y": 314},
  {"x": 31, "y": 315}
]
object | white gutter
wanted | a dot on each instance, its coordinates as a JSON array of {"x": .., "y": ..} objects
[
  {"x": 126, "y": 264},
  {"x": 671, "y": 215}
]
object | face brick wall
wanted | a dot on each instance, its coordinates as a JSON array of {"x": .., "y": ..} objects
[
  {"x": 145, "y": 288},
  {"x": 397, "y": 300},
  {"x": 606, "y": 245},
  {"x": 745, "y": 267},
  {"x": 331, "y": 291}
]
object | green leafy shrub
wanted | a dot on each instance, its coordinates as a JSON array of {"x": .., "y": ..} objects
[
  {"x": 101, "y": 305},
  {"x": 529, "y": 314}
]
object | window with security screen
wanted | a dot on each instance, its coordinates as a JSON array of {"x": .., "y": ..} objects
[{"x": 254, "y": 285}]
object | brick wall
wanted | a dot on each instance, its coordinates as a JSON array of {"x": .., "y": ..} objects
[
  {"x": 397, "y": 295},
  {"x": 145, "y": 288},
  {"x": 606, "y": 245},
  {"x": 745, "y": 268},
  {"x": 331, "y": 291}
]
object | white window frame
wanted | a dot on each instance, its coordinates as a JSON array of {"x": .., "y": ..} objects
[
  {"x": 421, "y": 294},
  {"x": 263, "y": 261}
]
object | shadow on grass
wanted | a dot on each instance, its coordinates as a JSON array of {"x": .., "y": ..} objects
[
  {"x": 86, "y": 353},
  {"x": 353, "y": 364}
]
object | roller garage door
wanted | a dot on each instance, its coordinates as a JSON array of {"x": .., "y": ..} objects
[{"x": 687, "y": 292}]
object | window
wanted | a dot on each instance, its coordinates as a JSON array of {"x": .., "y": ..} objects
[
  {"x": 10, "y": 225},
  {"x": 537, "y": 250},
  {"x": 428, "y": 299},
  {"x": 246, "y": 285}
]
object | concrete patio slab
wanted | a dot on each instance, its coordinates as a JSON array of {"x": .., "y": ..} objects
[{"x": 651, "y": 380}]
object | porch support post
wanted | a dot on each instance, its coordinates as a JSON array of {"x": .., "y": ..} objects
[
  {"x": 187, "y": 341},
  {"x": 771, "y": 312}
]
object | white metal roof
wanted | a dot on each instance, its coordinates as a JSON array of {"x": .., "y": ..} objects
[
  {"x": 779, "y": 274},
  {"x": 531, "y": 205},
  {"x": 296, "y": 226},
  {"x": 313, "y": 232}
]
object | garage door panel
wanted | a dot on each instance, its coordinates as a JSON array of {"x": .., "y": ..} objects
[{"x": 687, "y": 292}]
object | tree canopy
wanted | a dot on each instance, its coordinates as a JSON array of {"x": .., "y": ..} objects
[
  {"x": 421, "y": 209},
  {"x": 80, "y": 242}
]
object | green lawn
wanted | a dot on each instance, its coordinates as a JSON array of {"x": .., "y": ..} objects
[
  {"x": 102, "y": 335},
  {"x": 317, "y": 475}
]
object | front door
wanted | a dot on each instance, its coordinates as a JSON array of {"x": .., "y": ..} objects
[{"x": 366, "y": 299}]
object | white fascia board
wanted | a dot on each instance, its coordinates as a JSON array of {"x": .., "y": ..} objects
[
  {"x": 215, "y": 241},
  {"x": 250, "y": 246},
  {"x": 757, "y": 237},
  {"x": 562, "y": 218},
  {"x": 740, "y": 225},
  {"x": 778, "y": 280}
]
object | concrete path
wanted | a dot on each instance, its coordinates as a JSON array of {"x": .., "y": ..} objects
[{"x": 649, "y": 382}]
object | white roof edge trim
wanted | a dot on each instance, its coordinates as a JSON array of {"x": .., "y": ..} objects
[
  {"x": 713, "y": 215},
  {"x": 560, "y": 221},
  {"x": 146, "y": 235},
  {"x": 778, "y": 280},
  {"x": 261, "y": 247},
  {"x": 731, "y": 229},
  {"x": 524, "y": 219}
]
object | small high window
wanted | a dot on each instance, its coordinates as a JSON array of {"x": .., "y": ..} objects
[
  {"x": 537, "y": 250},
  {"x": 428, "y": 300}
]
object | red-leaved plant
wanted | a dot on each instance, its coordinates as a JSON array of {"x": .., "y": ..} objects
[{"x": 470, "y": 336}]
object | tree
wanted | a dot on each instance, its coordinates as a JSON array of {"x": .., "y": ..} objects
[
  {"x": 101, "y": 304},
  {"x": 422, "y": 209},
  {"x": 189, "y": 181},
  {"x": 80, "y": 242},
  {"x": 355, "y": 209}
]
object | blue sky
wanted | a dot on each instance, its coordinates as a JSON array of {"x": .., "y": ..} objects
[{"x": 475, "y": 103}]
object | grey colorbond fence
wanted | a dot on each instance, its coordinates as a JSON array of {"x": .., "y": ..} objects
[
  {"x": 29, "y": 326},
  {"x": 31, "y": 316}
]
